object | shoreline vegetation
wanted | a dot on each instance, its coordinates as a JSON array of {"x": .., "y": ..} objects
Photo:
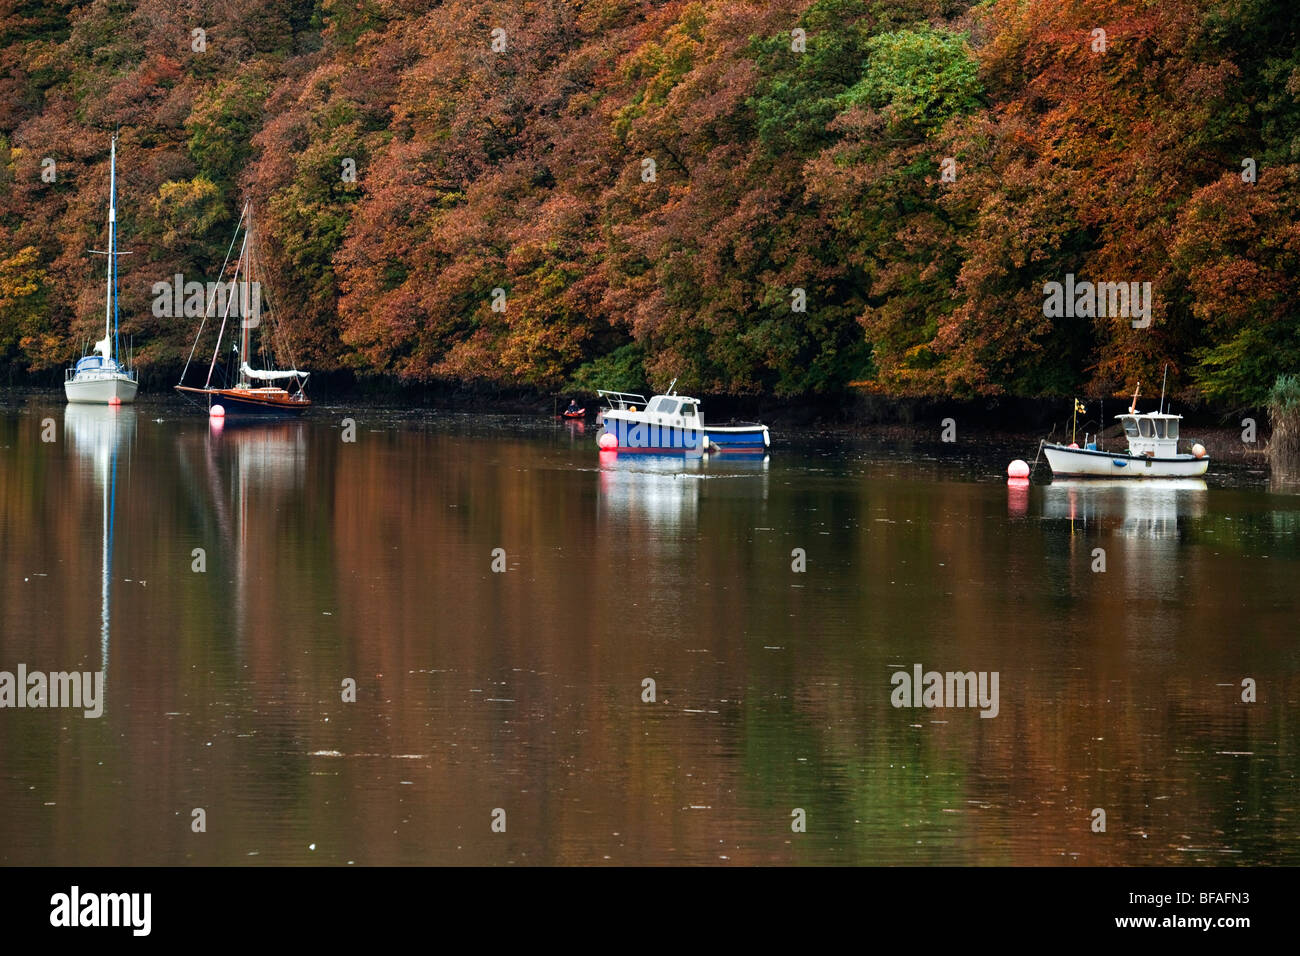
[
  {"x": 1284, "y": 418},
  {"x": 775, "y": 199}
]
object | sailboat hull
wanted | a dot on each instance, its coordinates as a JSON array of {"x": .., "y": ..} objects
[
  {"x": 252, "y": 402},
  {"x": 101, "y": 389}
]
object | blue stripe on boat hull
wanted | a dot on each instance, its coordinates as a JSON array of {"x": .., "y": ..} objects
[
  {"x": 654, "y": 438},
  {"x": 728, "y": 441}
]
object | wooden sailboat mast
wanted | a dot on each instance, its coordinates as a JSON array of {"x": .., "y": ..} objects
[
  {"x": 243, "y": 305},
  {"x": 216, "y": 350}
]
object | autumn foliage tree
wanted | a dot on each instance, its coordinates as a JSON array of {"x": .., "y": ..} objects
[{"x": 785, "y": 198}]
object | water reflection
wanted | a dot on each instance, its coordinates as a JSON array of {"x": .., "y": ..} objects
[
  {"x": 238, "y": 471},
  {"x": 662, "y": 489},
  {"x": 1018, "y": 497},
  {"x": 476, "y": 689},
  {"x": 1136, "y": 529},
  {"x": 1283, "y": 480},
  {"x": 266, "y": 455},
  {"x": 665, "y": 490},
  {"x": 98, "y": 435},
  {"x": 1146, "y": 509}
]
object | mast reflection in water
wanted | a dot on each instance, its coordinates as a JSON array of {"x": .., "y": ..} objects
[{"x": 98, "y": 434}]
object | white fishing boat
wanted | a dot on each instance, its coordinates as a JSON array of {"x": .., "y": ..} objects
[
  {"x": 100, "y": 378},
  {"x": 1152, "y": 451}
]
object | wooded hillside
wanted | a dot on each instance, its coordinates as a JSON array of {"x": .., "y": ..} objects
[{"x": 657, "y": 188}]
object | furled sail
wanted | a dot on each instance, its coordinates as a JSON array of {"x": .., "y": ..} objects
[{"x": 270, "y": 376}]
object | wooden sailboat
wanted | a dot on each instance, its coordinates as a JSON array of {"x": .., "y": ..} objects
[
  {"x": 100, "y": 378},
  {"x": 244, "y": 397}
]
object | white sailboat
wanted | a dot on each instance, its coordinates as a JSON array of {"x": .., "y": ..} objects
[{"x": 99, "y": 378}]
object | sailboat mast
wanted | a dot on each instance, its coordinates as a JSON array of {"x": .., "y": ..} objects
[
  {"x": 112, "y": 259},
  {"x": 225, "y": 316},
  {"x": 243, "y": 302},
  {"x": 116, "y": 345}
]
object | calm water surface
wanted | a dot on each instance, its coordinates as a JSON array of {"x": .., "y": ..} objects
[{"x": 523, "y": 690}]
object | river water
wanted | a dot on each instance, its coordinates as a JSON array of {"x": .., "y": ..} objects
[{"x": 562, "y": 656}]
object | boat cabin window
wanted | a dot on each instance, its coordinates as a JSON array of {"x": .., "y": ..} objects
[
  {"x": 688, "y": 409},
  {"x": 1159, "y": 424},
  {"x": 1173, "y": 428},
  {"x": 1144, "y": 426},
  {"x": 1131, "y": 427},
  {"x": 667, "y": 406}
]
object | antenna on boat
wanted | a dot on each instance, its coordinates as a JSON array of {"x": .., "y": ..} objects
[
  {"x": 1133, "y": 409},
  {"x": 1163, "y": 380},
  {"x": 670, "y": 385}
]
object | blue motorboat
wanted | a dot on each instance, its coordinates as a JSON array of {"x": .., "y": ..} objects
[{"x": 671, "y": 424}]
